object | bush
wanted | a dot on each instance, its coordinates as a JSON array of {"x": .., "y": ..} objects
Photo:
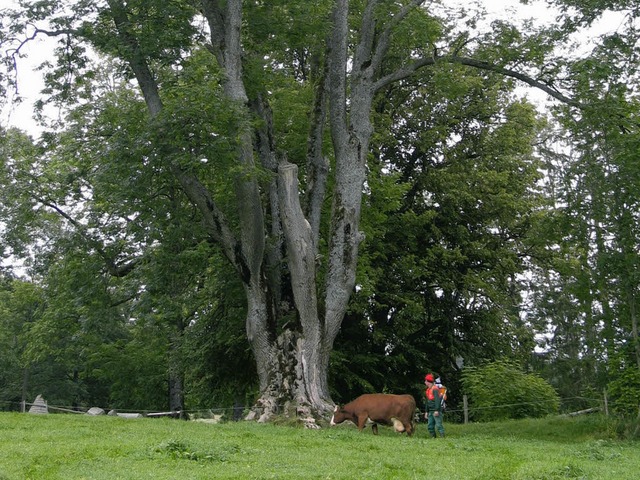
[
  {"x": 624, "y": 393},
  {"x": 500, "y": 391}
]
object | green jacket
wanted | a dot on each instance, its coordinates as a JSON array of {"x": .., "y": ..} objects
[{"x": 433, "y": 401}]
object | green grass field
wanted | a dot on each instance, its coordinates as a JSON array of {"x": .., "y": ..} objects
[{"x": 74, "y": 447}]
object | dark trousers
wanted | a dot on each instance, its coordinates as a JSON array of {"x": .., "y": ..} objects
[{"x": 435, "y": 423}]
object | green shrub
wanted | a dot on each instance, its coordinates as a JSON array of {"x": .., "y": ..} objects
[
  {"x": 501, "y": 390},
  {"x": 624, "y": 393}
]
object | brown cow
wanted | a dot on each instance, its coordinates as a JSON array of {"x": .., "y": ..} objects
[{"x": 396, "y": 410}]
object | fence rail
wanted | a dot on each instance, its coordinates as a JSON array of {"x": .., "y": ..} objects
[{"x": 466, "y": 410}]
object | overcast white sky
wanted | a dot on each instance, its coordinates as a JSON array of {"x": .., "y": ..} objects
[{"x": 30, "y": 82}]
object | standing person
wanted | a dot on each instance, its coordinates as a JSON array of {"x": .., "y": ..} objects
[{"x": 433, "y": 407}]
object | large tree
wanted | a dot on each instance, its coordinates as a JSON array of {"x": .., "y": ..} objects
[
  {"x": 589, "y": 293},
  {"x": 241, "y": 71}
]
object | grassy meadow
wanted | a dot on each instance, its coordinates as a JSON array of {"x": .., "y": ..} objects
[{"x": 74, "y": 447}]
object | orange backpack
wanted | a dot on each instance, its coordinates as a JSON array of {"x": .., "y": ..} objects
[{"x": 443, "y": 395}]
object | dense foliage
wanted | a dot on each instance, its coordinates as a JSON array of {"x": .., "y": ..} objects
[{"x": 501, "y": 390}]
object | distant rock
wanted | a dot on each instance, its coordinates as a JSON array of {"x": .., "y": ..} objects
[
  {"x": 95, "y": 411},
  {"x": 130, "y": 415},
  {"x": 39, "y": 405},
  {"x": 214, "y": 419}
]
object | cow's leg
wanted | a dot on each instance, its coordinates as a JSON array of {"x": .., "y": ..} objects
[
  {"x": 362, "y": 421},
  {"x": 374, "y": 427}
]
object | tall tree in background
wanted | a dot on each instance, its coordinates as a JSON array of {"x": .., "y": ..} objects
[
  {"x": 588, "y": 294},
  {"x": 20, "y": 307},
  {"x": 222, "y": 126}
]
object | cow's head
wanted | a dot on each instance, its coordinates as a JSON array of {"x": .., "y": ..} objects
[{"x": 339, "y": 416}]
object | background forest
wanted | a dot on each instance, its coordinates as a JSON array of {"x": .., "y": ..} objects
[{"x": 493, "y": 231}]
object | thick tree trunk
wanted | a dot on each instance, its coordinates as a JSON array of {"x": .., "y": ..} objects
[
  {"x": 176, "y": 393},
  {"x": 634, "y": 323},
  {"x": 292, "y": 366},
  {"x": 176, "y": 374},
  {"x": 293, "y": 387}
]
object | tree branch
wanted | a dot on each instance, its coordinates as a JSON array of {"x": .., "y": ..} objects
[
  {"x": 300, "y": 247},
  {"x": 114, "y": 269},
  {"x": 137, "y": 62},
  {"x": 513, "y": 74},
  {"x": 383, "y": 42},
  {"x": 411, "y": 68},
  {"x": 337, "y": 56},
  {"x": 215, "y": 221},
  {"x": 317, "y": 163}
]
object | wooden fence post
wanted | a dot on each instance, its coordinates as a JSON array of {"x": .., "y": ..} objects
[
  {"x": 466, "y": 408},
  {"x": 606, "y": 403}
]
